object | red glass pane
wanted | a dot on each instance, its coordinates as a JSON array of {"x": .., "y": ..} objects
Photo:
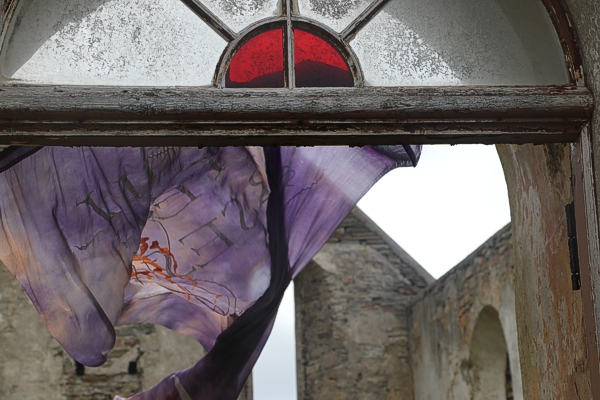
[
  {"x": 318, "y": 63},
  {"x": 258, "y": 63}
]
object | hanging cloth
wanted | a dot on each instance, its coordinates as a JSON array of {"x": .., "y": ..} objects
[{"x": 201, "y": 241}]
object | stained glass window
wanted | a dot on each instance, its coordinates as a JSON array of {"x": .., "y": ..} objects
[
  {"x": 318, "y": 63},
  {"x": 131, "y": 42},
  {"x": 336, "y": 14},
  {"x": 259, "y": 63}
]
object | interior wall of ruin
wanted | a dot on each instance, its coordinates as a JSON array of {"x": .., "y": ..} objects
[
  {"x": 351, "y": 316},
  {"x": 445, "y": 355},
  {"x": 351, "y": 327},
  {"x": 33, "y": 366}
]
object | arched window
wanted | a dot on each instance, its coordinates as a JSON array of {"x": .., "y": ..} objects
[
  {"x": 439, "y": 79},
  {"x": 489, "y": 369},
  {"x": 287, "y": 43}
]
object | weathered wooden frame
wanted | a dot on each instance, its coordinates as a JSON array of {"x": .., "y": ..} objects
[{"x": 74, "y": 115}]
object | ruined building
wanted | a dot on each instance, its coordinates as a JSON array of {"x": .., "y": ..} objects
[
  {"x": 370, "y": 324},
  {"x": 533, "y": 67}
]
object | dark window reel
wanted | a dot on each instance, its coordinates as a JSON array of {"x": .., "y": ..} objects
[
  {"x": 79, "y": 369},
  {"x": 132, "y": 368}
]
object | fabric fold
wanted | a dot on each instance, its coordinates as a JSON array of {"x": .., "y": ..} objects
[{"x": 201, "y": 241}]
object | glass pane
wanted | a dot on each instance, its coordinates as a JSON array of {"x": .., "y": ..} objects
[
  {"x": 258, "y": 63},
  {"x": 461, "y": 42},
  {"x": 118, "y": 42},
  {"x": 239, "y": 14},
  {"x": 318, "y": 63},
  {"x": 336, "y": 14}
]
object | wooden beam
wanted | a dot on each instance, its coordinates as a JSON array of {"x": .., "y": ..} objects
[
  {"x": 588, "y": 241},
  {"x": 70, "y": 115},
  {"x": 122, "y": 136}
]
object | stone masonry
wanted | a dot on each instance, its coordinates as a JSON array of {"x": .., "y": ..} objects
[
  {"x": 351, "y": 316},
  {"x": 371, "y": 324},
  {"x": 446, "y": 356},
  {"x": 33, "y": 366}
]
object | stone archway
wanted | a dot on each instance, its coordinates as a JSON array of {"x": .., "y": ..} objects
[{"x": 488, "y": 358}]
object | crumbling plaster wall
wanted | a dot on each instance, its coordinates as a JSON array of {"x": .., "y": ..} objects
[
  {"x": 549, "y": 313},
  {"x": 553, "y": 356},
  {"x": 443, "y": 318},
  {"x": 554, "y": 361},
  {"x": 33, "y": 366},
  {"x": 585, "y": 16}
]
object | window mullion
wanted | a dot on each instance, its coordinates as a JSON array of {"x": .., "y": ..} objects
[
  {"x": 288, "y": 45},
  {"x": 211, "y": 19}
]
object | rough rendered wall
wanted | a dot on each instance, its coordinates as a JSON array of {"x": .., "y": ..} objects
[
  {"x": 31, "y": 361},
  {"x": 351, "y": 327},
  {"x": 585, "y": 15},
  {"x": 549, "y": 312},
  {"x": 33, "y": 366},
  {"x": 143, "y": 355},
  {"x": 444, "y": 316}
]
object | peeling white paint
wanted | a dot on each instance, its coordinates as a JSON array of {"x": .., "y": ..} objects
[
  {"x": 336, "y": 14},
  {"x": 111, "y": 42},
  {"x": 238, "y": 14},
  {"x": 391, "y": 54},
  {"x": 460, "y": 42}
]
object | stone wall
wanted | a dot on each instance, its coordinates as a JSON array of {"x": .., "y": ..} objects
[
  {"x": 450, "y": 357},
  {"x": 31, "y": 361},
  {"x": 33, "y": 366},
  {"x": 351, "y": 316}
]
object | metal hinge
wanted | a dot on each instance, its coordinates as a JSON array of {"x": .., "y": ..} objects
[{"x": 573, "y": 251}]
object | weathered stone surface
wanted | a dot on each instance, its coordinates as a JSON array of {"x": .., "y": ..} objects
[
  {"x": 31, "y": 361},
  {"x": 358, "y": 228},
  {"x": 585, "y": 17},
  {"x": 33, "y": 366},
  {"x": 143, "y": 355},
  {"x": 443, "y": 321},
  {"x": 351, "y": 321},
  {"x": 549, "y": 313}
]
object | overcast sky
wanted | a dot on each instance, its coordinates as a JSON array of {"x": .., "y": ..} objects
[{"x": 439, "y": 212}]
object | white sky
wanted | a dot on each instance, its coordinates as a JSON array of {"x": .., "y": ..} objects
[{"x": 439, "y": 212}]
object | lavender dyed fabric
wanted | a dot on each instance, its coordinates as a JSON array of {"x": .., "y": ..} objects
[{"x": 201, "y": 241}]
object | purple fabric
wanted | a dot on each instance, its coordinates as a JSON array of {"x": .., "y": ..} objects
[{"x": 201, "y": 241}]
